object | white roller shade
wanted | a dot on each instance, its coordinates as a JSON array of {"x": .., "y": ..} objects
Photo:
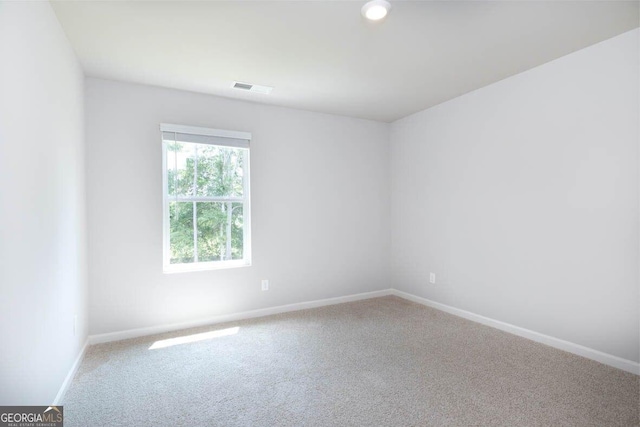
[{"x": 198, "y": 135}]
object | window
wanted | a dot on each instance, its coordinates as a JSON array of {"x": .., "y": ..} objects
[{"x": 207, "y": 212}]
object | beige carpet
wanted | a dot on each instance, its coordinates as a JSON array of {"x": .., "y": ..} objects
[{"x": 378, "y": 362}]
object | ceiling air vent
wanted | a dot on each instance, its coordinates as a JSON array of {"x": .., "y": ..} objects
[{"x": 252, "y": 88}]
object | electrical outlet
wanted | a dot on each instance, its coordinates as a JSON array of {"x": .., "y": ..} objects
[
  {"x": 432, "y": 278},
  {"x": 265, "y": 285}
]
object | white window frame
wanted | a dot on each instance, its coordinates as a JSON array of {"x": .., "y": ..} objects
[{"x": 167, "y": 267}]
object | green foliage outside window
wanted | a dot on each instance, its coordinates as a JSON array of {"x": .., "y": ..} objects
[{"x": 205, "y": 171}]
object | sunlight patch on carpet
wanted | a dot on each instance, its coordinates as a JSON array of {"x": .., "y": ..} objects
[{"x": 186, "y": 339}]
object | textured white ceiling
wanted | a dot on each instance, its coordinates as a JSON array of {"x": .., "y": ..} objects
[{"x": 323, "y": 56}]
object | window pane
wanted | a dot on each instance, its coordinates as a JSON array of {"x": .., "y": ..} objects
[
  {"x": 181, "y": 237},
  {"x": 171, "y": 168},
  {"x": 219, "y": 171},
  {"x": 237, "y": 232},
  {"x": 212, "y": 220},
  {"x": 181, "y": 159},
  {"x": 220, "y": 233}
]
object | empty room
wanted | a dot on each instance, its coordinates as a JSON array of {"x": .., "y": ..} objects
[{"x": 319, "y": 213}]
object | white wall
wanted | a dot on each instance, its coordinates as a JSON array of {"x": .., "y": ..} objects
[
  {"x": 523, "y": 198},
  {"x": 320, "y": 212},
  {"x": 42, "y": 238}
]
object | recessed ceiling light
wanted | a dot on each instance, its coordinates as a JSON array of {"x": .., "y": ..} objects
[
  {"x": 375, "y": 10},
  {"x": 252, "y": 88}
]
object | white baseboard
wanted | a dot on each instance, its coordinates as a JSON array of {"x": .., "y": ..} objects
[
  {"x": 580, "y": 350},
  {"x": 134, "y": 333},
  {"x": 72, "y": 373}
]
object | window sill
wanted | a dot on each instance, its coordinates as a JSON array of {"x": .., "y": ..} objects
[{"x": 205, "y": 266}]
